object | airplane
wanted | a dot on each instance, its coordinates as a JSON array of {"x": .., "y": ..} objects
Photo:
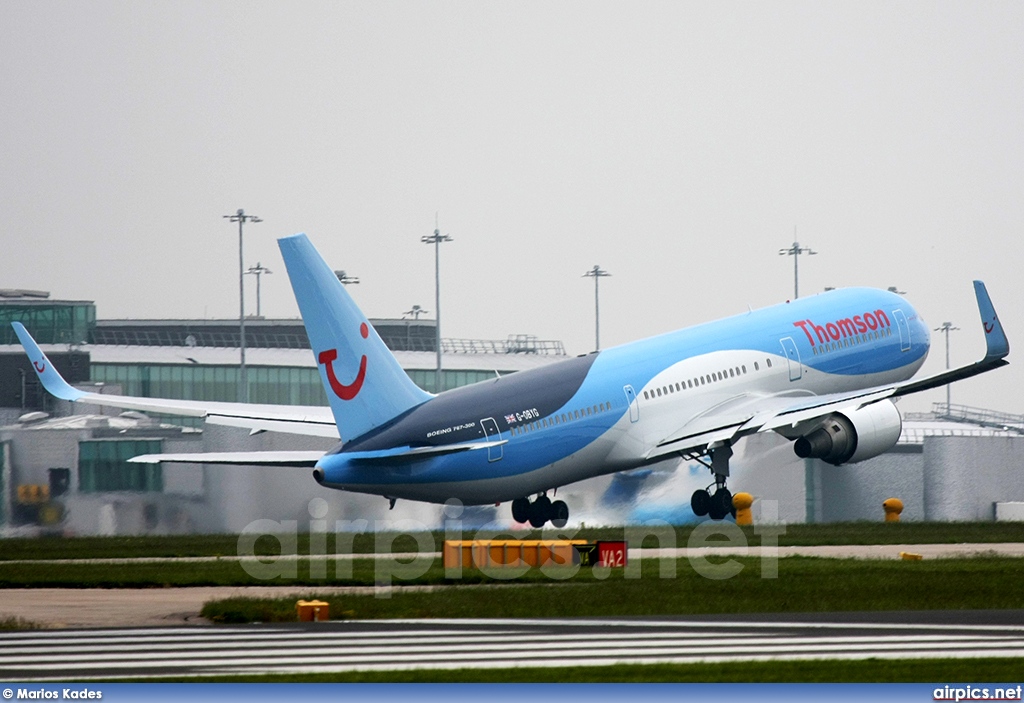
[{"x": 822, "y": 371}]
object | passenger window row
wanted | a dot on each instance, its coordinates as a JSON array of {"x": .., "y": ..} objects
[
  {"x": 698, "y": 381},
  {"x": 828, "y": 347},
  {"x": 560, "y": 419}
]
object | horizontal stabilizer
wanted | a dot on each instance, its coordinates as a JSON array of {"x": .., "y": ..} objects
[{"x": 305, "y": 459}]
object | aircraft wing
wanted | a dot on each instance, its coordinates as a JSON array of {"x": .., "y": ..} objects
[
  {"x": 747, "y": 415},
  {"x": 295, "y": 419}
]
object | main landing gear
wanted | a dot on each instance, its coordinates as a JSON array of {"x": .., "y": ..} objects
[
  {"x": 540, "y": 511},
  {"x": 718, "y": 504}
]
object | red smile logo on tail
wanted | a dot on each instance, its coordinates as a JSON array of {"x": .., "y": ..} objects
[
  {"x": 327, "y": 358},
  {"x": 39, "y": 366}
]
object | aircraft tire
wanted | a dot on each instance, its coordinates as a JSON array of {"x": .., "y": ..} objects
[
  {"x": 521, "y": 510},
  {"x": 723, "y": 497},
  {"x": 540, "y": 511},
  {"x": 559, "y": 513},
  {"x": 700, "y": 503}
]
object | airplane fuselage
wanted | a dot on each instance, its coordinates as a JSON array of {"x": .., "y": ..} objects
[{"x": 600, "y": 413}]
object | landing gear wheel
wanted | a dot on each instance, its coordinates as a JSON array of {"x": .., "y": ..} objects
[
  {"x": 700, "y": 503},
  {"x": 540, "y": 511},
  {"x": 559, "y": 513},
  {"x": 723, "y": 496},
  {"x": 521, "y": 510},
  {"x": 721, "y": 504}
]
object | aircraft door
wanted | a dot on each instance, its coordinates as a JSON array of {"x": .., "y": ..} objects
[
  {"x": 634, "y": 406},
  {"x": 796, "y": 370},
  {"x": 492, "y": 434},
  {"x": 904, "y": 327}
]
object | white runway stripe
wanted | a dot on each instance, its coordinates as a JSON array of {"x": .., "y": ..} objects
[{"x": 383, "y": 645}]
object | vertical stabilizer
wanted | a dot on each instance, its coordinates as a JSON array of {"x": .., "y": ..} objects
[{"x": 364, "y": 382}]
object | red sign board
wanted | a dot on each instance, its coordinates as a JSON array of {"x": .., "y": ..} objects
[{"x": 611, "y": 554}]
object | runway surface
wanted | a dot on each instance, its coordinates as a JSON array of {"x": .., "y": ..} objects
[{"x": 76, "y": 655}]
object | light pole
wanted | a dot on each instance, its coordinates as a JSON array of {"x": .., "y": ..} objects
[
  {"x": 243, "y": 383},
  {"x": 436, "y": 239},
  {"x": 345, "y": 279},
  {"x": 597, "y": 273},
  {"x": 416, "y": 311},
  {"x": 257, "y": 271},
  {"x": 946, "y": 328},
  {"x": 795, "y": 251}
]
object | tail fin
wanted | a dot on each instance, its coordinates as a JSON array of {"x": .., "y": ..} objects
[{"x": 364, "y": 382}]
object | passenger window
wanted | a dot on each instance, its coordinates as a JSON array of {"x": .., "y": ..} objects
[
  {"x": 756, "y": 367},
  {"x": 744, "y": 367},
  {"x": 769, "y": 362}
]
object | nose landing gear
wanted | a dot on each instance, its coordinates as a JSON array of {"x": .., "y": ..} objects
[{"x": 540, "y": 511}]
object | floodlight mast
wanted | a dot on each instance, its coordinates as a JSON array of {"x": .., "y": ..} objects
[
  {"x": 795, "y": 251},
  {"x": 436, "y": 239},
  {"x": 597, "y": 273},
  {"x": 243, "y": 382},
  {"x": 257, "y": 271},
  {"x": 946, "y": 328}
]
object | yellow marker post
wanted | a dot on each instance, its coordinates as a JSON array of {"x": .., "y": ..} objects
[
  {"x": 742, "y": 502},
  {"x": 893, "y": 507},
  {"x": 313, "y": 610}
]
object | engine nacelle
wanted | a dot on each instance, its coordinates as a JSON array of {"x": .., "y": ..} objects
[{"x": 846, "y": 438}]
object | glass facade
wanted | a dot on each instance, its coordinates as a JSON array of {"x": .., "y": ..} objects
[
  {"x": 49, "y": 323},
  {"x": 276, "y": 385},
  {"x": 103, "y": 466}
]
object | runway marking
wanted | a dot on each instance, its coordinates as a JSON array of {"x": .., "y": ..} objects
[{"x": 384, "y": 645}]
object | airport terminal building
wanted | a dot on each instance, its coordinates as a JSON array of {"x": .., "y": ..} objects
[{"x": 63, "y": 466}]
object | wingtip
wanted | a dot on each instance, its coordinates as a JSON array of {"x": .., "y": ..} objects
[
  {"x": 997, "y": 345},
  {"x": 48, "y": 375}
]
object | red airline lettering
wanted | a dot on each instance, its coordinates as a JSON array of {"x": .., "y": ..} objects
[{"x": 844, "y": 327}]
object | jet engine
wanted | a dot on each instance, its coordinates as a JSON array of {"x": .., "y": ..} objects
[{"x": 846, "y": 438}]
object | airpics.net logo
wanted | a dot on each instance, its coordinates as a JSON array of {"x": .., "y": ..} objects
[
  {"x": 978, "y": 693},
  {"x": 711, "y": 549}
]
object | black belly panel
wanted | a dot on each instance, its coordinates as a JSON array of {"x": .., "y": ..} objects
[{"x": 454, "y": 416}]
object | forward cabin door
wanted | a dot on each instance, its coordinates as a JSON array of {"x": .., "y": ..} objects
[
  {"x": 796, "y": 370},
  {"x": 492, "y": 434}
]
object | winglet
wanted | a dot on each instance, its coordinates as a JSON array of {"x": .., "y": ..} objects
[
  {"x": 997, "y": 345},
  {"x": 48, "y": 374}
]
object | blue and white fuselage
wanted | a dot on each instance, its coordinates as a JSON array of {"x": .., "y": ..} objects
[{"x": 603, "y": 412}]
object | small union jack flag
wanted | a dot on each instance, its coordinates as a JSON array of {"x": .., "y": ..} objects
[{"x": 510, "y": 419}]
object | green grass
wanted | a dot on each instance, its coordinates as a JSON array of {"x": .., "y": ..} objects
[
  {"x": 58, "y": 547},
  {"x": 950, "y": 671},
  {"x": 15, "y": 623},
  {"x": 802, "y": 585}
]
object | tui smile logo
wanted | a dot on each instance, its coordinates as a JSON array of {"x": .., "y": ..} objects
[
  {"x": 328, "y": 357},
  {"x": 39, "y": 366}
]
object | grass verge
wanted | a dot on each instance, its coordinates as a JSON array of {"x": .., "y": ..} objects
[
  {"x": 59, "y": 547},
  {"x": 665, "y": 588}
]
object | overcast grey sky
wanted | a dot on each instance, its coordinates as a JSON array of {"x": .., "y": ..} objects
[{"x": 676, "y": 144}]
